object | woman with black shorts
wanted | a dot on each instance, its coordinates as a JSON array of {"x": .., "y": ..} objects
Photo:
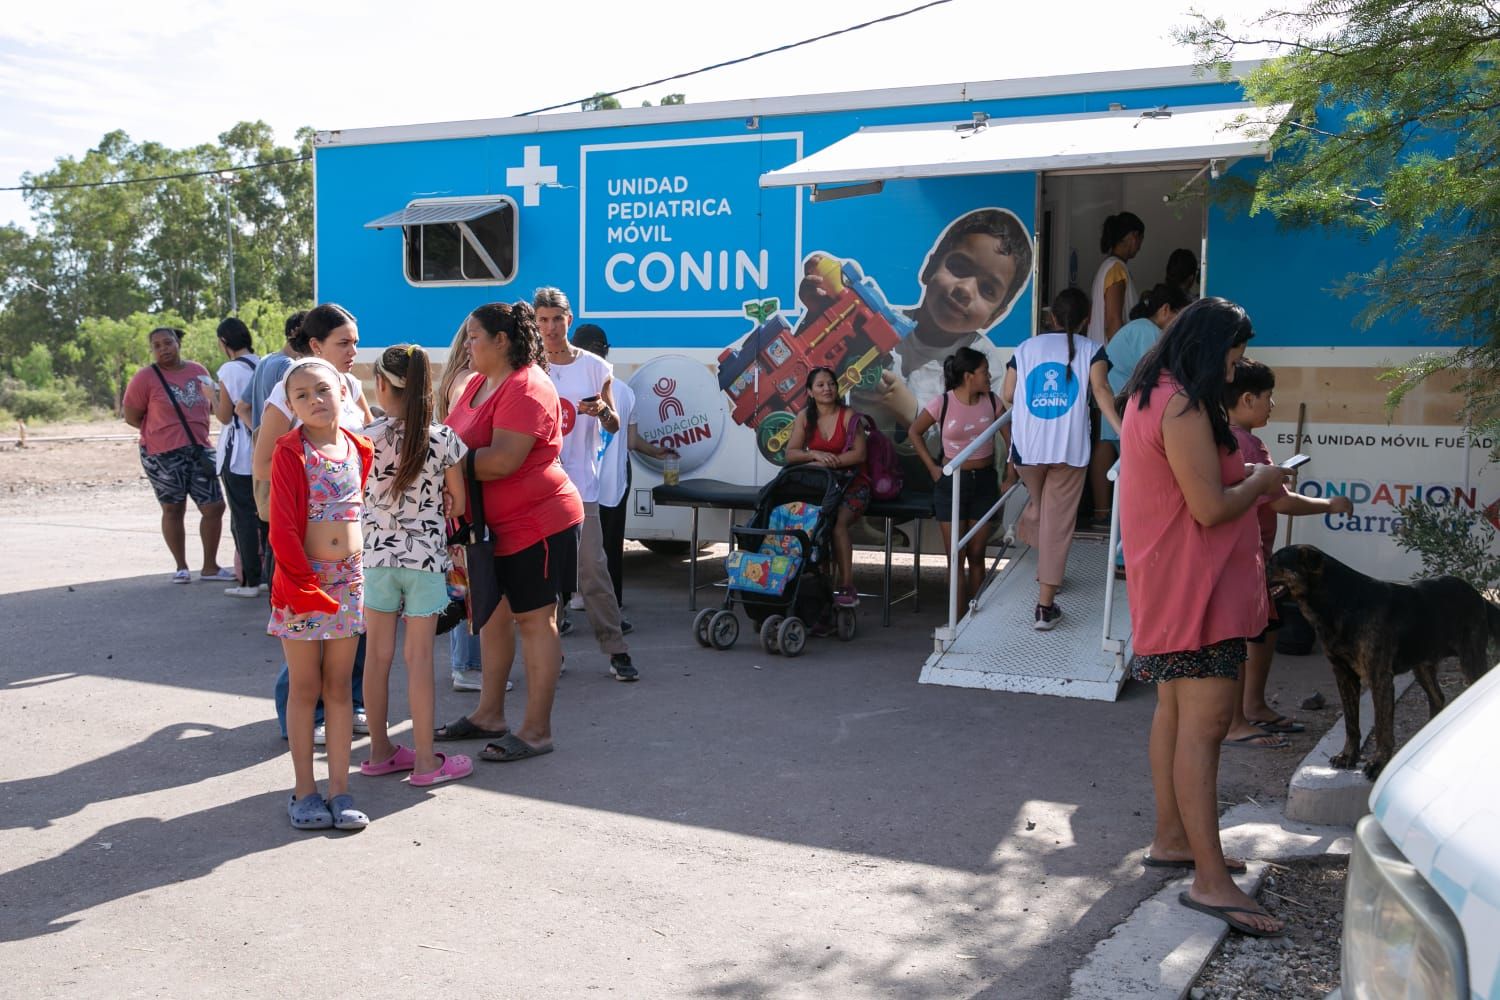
[
  {"x": 965, "y": 410},
  {"x": 512, "y": 421}
]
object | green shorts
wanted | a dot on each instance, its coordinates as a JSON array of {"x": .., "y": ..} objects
[{"x": 416, "y": 593}]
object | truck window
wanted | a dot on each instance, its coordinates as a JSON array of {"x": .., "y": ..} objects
[{"x": 479, "y": 250}]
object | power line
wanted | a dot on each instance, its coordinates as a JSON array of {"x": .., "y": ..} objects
[
  {"x": 732, "y": 62},
  {"x": 159, "y": 177},
  {"x": 535, "y": 111}
]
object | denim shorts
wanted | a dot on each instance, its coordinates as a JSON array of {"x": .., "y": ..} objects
[{"x": 416, "y": 593}]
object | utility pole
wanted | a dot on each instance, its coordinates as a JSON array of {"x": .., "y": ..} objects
[{"x": 227, "y": 178}]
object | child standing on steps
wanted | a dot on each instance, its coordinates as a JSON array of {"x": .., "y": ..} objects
[
  {"x": 318, "y": 472},
  {"x": 417, "y": 474},
  {"x": 1248, "y": 400}
]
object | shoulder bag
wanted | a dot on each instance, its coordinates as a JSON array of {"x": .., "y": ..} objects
[
  {"x": 478, "y": 544},
  {"x": 205, "y": 457}
]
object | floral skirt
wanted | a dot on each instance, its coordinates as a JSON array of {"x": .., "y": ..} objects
[
  {"x": 344, "y": 581},
  {"x": 1222, "y": 659}
]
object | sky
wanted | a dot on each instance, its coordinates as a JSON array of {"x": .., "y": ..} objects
[{"x": 182, "y": 71}]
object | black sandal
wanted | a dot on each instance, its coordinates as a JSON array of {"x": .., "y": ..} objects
[{"x": 463, "y": 729}]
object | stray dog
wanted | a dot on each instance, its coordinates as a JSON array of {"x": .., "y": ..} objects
[{"x": 1373, "y": 630}]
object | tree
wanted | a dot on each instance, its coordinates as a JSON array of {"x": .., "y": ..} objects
[
  {"x": 600, "y": 102},
  {"x": 1394, "y": 130}
]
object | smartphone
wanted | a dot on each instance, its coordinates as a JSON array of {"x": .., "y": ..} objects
[
  {"x": 1296, "y": 461},
  {"x": 595, "y": 399}
]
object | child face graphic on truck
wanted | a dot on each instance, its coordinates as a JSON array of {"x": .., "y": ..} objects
[{"x": 980, "y": 263}]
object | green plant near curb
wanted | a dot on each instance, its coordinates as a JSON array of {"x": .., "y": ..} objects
[{"x": 1451, "y": 541}]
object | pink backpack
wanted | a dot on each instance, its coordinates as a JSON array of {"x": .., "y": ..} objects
[{"x": 881, "y": 463}]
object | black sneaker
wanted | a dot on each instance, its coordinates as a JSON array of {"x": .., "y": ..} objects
[
  {"x": 564, "y": 625},
  {"x": 625, "y": 626},
  {"x": 622, "y": 668},
  {"x": 1047, "y": 617}
]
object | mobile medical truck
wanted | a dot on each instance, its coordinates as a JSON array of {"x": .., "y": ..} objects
[{"x": 690, "y": 233}]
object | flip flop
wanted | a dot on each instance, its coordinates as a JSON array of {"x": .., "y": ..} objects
[
  {"x": 1223, "y": 913},
  {"x": 463, "y": 729},
  {"x": 1278, "y": 742},
  {"x": 451, "y": 769},
  {"x": 1187, "y": 864},
  {"x": 511, "y": 747},
  {"x": 401, "y": 759},
  {"x": 1280, "y": 724}
]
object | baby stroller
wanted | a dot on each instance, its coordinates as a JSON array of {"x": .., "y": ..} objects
[{"x": 780, "y": 568}]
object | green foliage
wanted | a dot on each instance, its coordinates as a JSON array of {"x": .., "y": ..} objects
[
  {"x": 673, "y": 99},
  {"x": 600, "y": 102},
  {"x": 106, "y": 264},
  {"x": 1451, "y": 541},
  {"x": 1393, "y": 130},
  {"x": 34, "y": 367},
  {"x": 48, "y": 404}
]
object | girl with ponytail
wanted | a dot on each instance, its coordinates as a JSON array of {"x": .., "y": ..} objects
[{"x": 415, "y": 481}]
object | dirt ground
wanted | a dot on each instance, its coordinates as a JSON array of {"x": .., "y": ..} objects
[{"x": 53, "y": 467}]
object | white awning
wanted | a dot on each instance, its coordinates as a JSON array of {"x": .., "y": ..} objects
[
  {"x": 1099, "y": 140},
  {"x": 431, "y": 212}
]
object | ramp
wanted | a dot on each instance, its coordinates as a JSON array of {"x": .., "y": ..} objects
[{"x": 996, "y": 647}]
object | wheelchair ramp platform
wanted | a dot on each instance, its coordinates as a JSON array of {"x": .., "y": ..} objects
[{"x": 996, "y": 647}]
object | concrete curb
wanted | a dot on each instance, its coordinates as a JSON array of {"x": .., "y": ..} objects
[
  {"x": 1322, "y": 794},
  {"x": 1161, "y": 947}
]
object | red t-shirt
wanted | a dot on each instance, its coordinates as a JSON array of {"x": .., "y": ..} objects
[
  {"x": 537, "y": 500},
  {"x": 1255, "y": 453},
  {"x": 160, "y": 429}
]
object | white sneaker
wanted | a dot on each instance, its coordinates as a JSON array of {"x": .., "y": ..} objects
[
  {"x": 264, "y": 588},
  {"x": 242, "y": 591},
  {"x": 361, "y": 724},
  {"x": 467, "y": 680},
  {"x": 575, "y": 603},
  {"x": 320, "y": 735}
]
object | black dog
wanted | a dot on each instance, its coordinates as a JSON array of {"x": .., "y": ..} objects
[{"x": 1373, "y": 630}]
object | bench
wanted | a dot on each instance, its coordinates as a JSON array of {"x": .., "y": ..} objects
[{"x": 715, "y": 494}]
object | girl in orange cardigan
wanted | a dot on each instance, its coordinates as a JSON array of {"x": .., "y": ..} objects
[{"x": 318, "y": 472}]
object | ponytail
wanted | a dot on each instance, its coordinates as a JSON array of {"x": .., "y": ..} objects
[
  {"x": 960, "y": 363},
  {"x": 406, "y": 369},
  {"x": 1164, "y": 294},
  {"x": 1117, "y": 227}
]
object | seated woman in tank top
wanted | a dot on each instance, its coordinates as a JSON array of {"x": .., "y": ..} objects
[{"x": 832, "y": 434}]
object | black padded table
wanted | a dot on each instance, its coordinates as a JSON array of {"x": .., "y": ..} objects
[{"x": 715, "y": 494}]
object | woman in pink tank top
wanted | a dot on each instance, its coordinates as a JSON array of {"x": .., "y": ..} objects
[{"x": 1196, "y": 588}]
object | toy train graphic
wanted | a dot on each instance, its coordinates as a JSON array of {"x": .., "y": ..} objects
[{"x": 766, "y": 376}]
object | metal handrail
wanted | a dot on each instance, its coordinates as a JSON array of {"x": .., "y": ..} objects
[
  {"x": 1112, "y": 645},
  {"x": 945, "y": 636}
]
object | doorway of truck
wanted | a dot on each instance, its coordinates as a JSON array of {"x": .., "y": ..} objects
[{"x": 1171, "y": 201}]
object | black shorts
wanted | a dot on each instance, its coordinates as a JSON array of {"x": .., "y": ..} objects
[
  {"x": 978, "y": 492},
  {"x": 180, "y": 473},
  {"x": 533, "y": 577}
]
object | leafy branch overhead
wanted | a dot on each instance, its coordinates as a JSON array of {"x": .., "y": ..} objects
[{"x": 1394, "y": 135}]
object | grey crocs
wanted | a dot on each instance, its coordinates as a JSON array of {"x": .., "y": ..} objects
[
  {"x": 345, "y": 816},
  {"x": 309, "y": 812}
]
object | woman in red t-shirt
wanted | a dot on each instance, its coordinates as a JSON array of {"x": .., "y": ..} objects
[
  {"x": 170, "y": 401},
  {"x": 511, "y": 419}
]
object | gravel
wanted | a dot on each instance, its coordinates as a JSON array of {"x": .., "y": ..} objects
[{"x": 1309, "y": 896}]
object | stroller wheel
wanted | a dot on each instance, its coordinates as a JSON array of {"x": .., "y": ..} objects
[
  {"x": 768, "y": 633},
  {"x": 791, "y": 637},
  {"x": 845, "y": 621},
  {"x": 700, "y": 626},
  {"x": 723, "y": 629}
]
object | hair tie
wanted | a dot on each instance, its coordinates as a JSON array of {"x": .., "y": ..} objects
[
  {"x": 411, "y": 349},
  {"x": 388, "y": 375}
]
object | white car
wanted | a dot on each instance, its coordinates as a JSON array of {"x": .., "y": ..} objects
[{"x": 1422, "y": 901}]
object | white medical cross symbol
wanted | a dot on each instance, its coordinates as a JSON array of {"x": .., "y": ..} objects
[{"x": 531, "y": 175}]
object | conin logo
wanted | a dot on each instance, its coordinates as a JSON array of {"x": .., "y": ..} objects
[
  {"x": 689, "y": 412},
  {"x": 1049, "y": 392},
  {"x": 670, "y": 405}
]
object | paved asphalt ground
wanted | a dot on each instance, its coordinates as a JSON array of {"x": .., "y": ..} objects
[{"x": 733, "y": 825}]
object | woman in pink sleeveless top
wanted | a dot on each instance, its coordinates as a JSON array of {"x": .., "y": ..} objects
[{"x": 1196, "y": 585}]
